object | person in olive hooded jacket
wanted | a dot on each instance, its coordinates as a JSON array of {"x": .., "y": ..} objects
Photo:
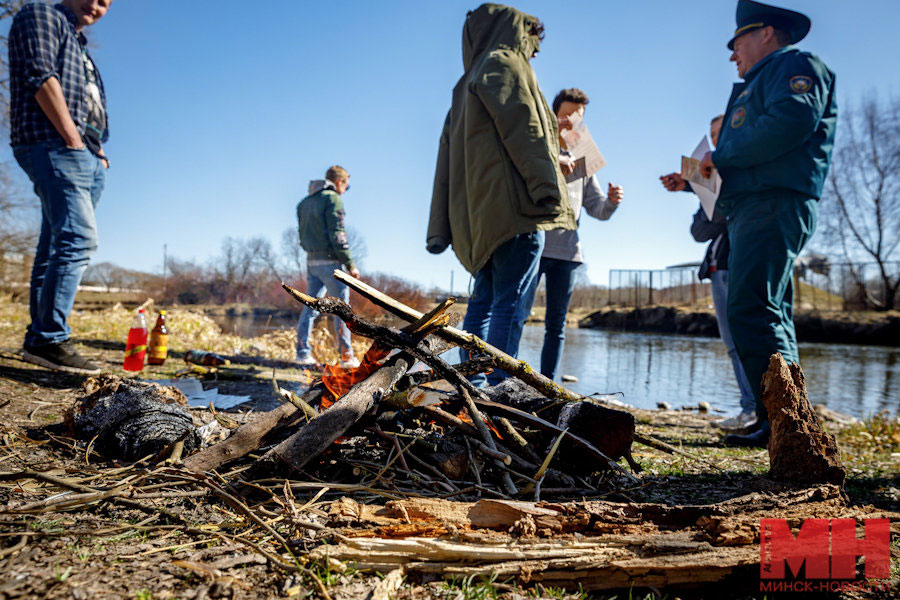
[{"x": 498, "y": 184}]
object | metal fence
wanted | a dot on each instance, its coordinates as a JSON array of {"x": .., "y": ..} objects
[
  {"x": 653, "y": 287},
  {"x": 843, "y": 286}
]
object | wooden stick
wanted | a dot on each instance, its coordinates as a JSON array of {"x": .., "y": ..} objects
[
  {"x": 485, "y": 434},
  {"x": 299, "y": 402},
  {"x": 512, "y": 432},
  {"x": 466, "y": 369},
  {"x": 248, "y": 436},
  {"x": 506, "y": 459},
  {"x": 317, "y": 435},
  {"x": 443, "y": 416},
  {"x": 518, "y": 368}
]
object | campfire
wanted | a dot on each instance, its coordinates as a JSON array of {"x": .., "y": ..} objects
[{"x": 430, "y": 431}]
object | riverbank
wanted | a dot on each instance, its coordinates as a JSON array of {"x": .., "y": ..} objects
[
  {"x": 835, "y": 327},
  {"x": 139, "y": 539}
]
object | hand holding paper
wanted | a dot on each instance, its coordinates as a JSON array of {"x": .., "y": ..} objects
[
  {"x": 705, "y": 186},
  {"x": 581, "y": 146},
  {"x": 707, "y": 168}
]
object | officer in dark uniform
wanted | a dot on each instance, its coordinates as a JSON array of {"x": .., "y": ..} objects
[{"x": 773, "y": 156}]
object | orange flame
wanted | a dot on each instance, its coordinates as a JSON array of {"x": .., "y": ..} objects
[
  {"x": 464, "y": 417},
  {"x": 339, "y": 381}
]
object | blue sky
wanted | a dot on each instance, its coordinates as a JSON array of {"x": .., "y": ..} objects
[{"x": 220, "y": 113}]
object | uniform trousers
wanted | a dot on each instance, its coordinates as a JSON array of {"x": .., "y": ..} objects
[{"x": 767, "y": 231}]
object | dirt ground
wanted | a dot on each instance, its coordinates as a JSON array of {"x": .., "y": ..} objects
[{"x": 110, "y": 549}]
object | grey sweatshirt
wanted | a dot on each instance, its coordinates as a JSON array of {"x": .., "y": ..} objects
[{"x": 565, "y": 245}]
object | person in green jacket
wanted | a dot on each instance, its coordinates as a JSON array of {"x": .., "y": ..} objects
[
  {"x": 773, "y": 155},
  {"x": 498, "y": 184},
  {"x": 320, "y": 220}
]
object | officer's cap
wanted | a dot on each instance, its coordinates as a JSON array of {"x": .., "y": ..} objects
[{"x": 752, "y": 15}]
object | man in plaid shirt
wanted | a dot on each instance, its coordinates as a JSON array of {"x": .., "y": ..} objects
[{"x": 58, "y": 126}]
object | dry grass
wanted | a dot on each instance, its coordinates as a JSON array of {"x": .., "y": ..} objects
[{"x": 190, "y": 329}]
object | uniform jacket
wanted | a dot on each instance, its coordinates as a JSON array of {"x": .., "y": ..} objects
[
  {"x": 497, "y": 172},
  {"x": 778, "y": 131},
  {"x": 320, "y": 219}
]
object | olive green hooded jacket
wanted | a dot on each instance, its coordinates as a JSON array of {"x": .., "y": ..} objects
[{"x": 498, "y": 170}]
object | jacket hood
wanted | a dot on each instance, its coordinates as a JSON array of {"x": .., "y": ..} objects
[
  {"x": 317, "y": 185},
  {"x": 494, "y": 26}
]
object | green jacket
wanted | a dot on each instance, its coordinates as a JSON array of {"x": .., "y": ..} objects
[
  {"x": 497, "y": 171},
  {"x": 320, "y": 219},
  {"x": 779, "y": 127}
]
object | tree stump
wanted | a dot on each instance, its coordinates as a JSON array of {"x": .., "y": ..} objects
[{"x": 799, "y": 449}]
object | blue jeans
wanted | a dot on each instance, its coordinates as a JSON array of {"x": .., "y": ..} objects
[
  {"x": 69, "y": 183},
  {"x": 495, "y": 309},
  {"x": 719, "y": 281},
  {"x": 320, "y": 278},
  {"x": 560, "y": 278}
]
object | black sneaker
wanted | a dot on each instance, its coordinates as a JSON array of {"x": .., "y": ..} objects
[
  {"x": 60, "y": 357},
  {"x": 758, "y": 438}
]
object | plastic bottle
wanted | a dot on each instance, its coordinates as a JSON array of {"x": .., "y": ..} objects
[
  {"x": 159, "y": 341},
  {"x": 136, "y": 346}
]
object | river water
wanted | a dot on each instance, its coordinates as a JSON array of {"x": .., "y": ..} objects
[{"x": 684, "y": 370}]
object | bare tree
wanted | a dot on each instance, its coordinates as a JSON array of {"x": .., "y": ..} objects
[
  {"x": 358, "y": 249},
  {"x": 861, "y": 201},
  {"x": 8, "y": 9},
  {"x": 293, "y": 255},
  {"x": 106, "y": 274},
  {"x": 18, "y": 212},
  {"x": 234, "y": 268},
  {"x": 265, "y": 257}
]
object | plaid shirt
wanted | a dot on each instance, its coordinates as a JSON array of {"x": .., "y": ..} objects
[{"x": 43, "y": 43}]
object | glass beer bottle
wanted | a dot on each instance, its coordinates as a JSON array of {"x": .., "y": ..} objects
[{"x": 159, "y": 341}]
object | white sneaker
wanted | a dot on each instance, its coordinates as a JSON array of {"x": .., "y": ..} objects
[
  {"x": 740, "y": 421},
  {"x": 309, "y": 361},
  {"x": 349, "y": 363}
]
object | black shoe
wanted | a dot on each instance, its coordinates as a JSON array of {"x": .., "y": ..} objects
[
  {"x": 755, "y": 439},
  {"x": 60, "y": 357}
]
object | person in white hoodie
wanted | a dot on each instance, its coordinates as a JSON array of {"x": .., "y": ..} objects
[{"x": 562, "y": 255}]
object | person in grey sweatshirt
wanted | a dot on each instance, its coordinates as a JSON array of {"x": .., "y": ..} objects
[{"x": 562, "y": 254}]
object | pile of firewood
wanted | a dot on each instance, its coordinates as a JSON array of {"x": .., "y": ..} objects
[{"x": 390, "y": 427}]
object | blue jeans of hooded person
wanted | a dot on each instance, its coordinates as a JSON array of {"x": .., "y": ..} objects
[
  {"x": 719, "y": 283},
  {"x": 494, "y": 310},
  {"x": 319, "y": 279},
  {"x": 560, "y": 279},
  {"x": 69, "y": 184}
]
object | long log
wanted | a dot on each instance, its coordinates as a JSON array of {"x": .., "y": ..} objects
[
  {"x": 248, "y": 436},
  {"x": 316, "y": 436},
  {"x": 513, "y": 366}
]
